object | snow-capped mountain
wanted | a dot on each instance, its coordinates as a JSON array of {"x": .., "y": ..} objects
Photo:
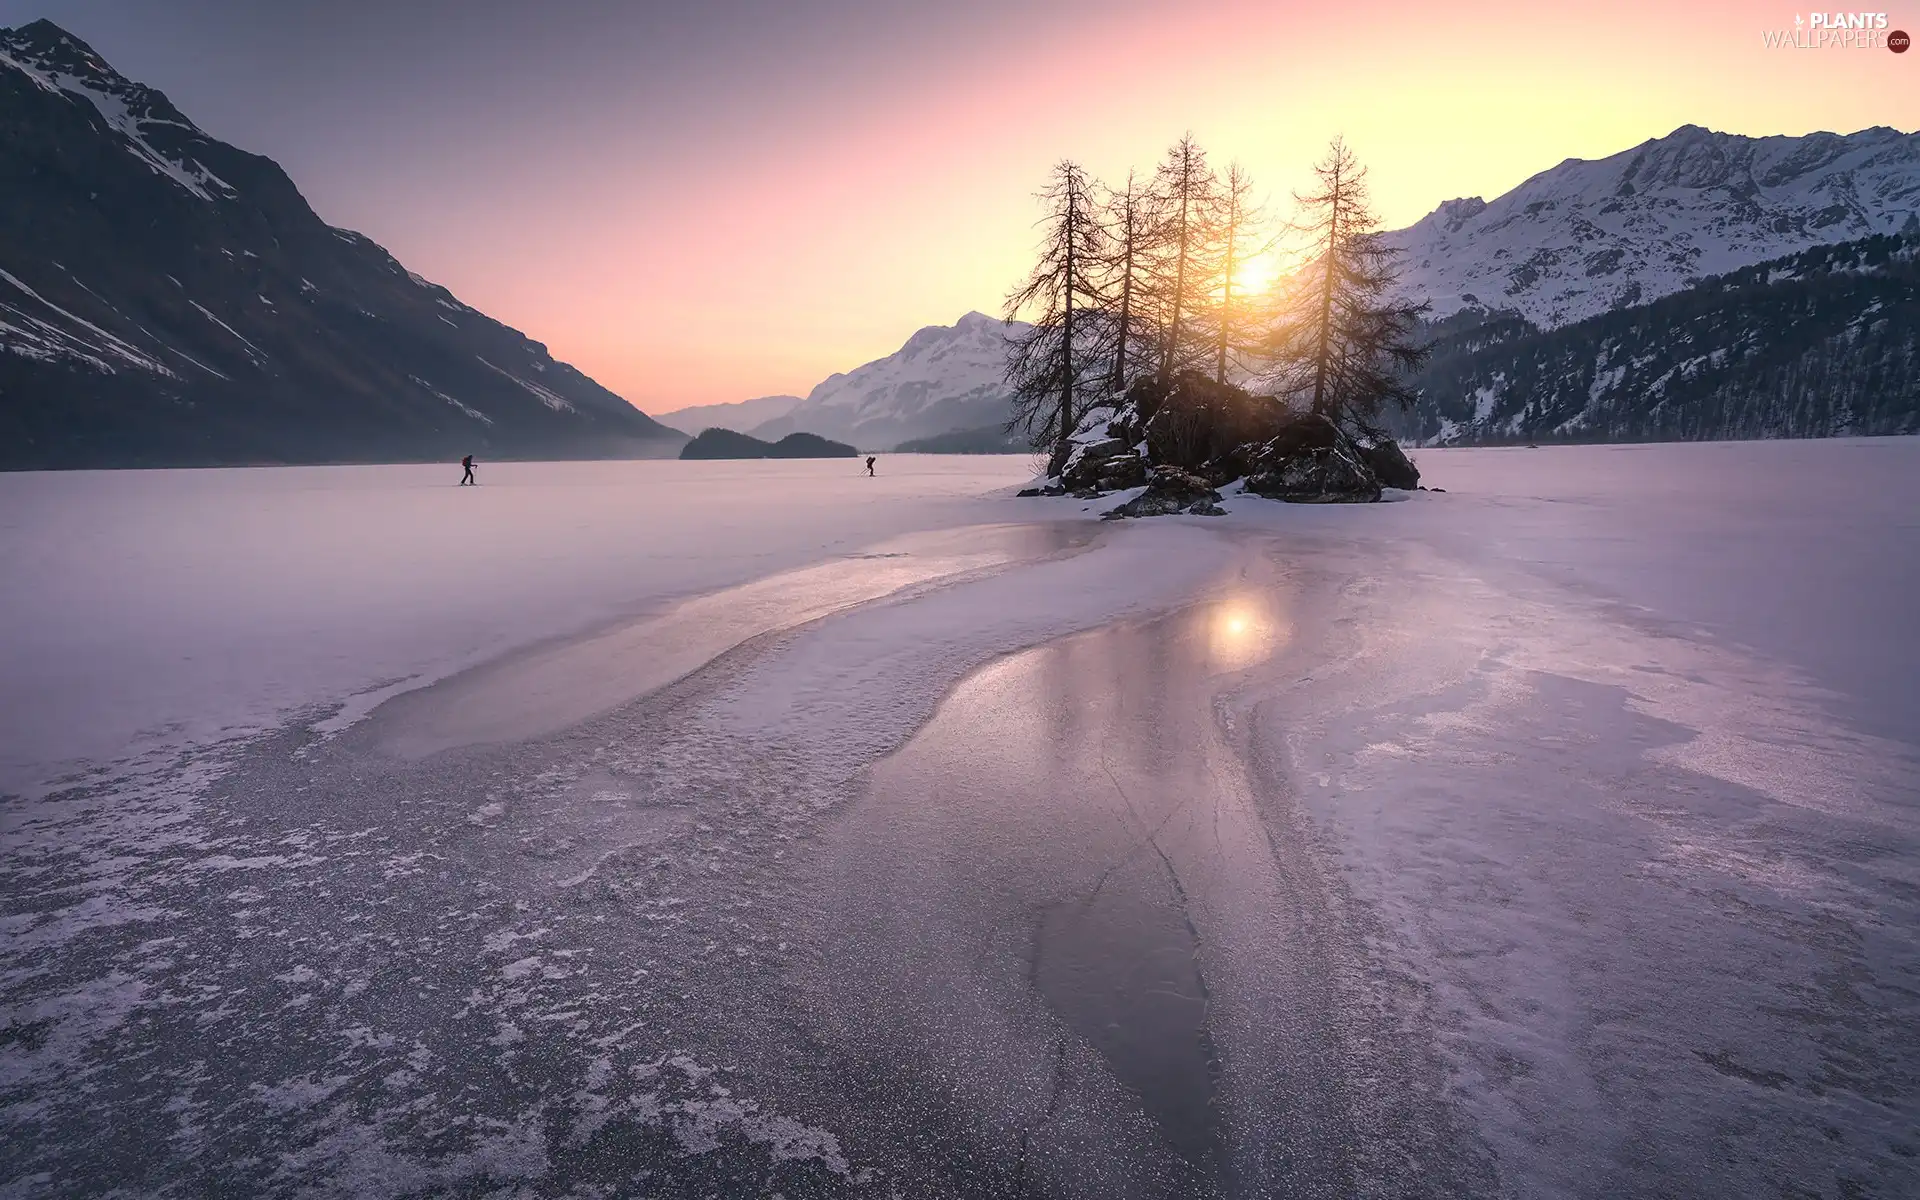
[
  {"x": 946, "y": 377},
  {"x": 1587, "y": 237},
  {"x": 1821, "y": 343},
  {"x": 166, "y": 299},
  {"x": 739, "y": 415}
]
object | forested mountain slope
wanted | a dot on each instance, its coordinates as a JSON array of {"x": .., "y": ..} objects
[{"x": 1817, "y": 344}]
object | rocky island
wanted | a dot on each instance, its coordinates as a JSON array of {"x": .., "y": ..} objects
[
  {"x": 725, "y": 443},
  {"x": 1183, "y": 441}
]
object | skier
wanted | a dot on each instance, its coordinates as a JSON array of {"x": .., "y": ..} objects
[
  {"x": 869, "y": 466},
  {"x": 466, "y": 479}
]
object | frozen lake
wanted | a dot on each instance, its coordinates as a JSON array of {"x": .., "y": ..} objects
[{"x": 761, "y": 828}]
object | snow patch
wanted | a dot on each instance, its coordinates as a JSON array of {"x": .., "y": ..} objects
[
  {"x": 47, "y": 340},
  {"x": 253, "y": 351},
  {"x": 475, "y": 413},
  {"x": 546, "y": 396},
  {"x": 113, "y": 107}
]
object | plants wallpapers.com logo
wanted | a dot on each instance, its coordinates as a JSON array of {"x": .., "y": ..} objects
[{"x": 1838, "y": 31}]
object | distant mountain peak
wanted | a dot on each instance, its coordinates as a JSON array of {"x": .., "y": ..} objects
[
  {"x": 1588, "y": 236},
  {"x": 944, "y": 378},
  {"x": 43, "y": 48},
  {"x": 167, "y": 299},
  {"x": 974, "y": 326},
  {"x": 149, "y": 126},
  {"x": 50, "y": 39}
]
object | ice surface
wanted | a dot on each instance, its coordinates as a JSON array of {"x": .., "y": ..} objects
[
  {"x": 168, "y": 608},
  {"x": 1625, "y": 757},
  {"x": 552, "y": 688},
  {"x": 766, "y": 827}
]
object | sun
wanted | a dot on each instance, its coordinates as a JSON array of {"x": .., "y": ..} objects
[{"x": 1255, "y": 275}]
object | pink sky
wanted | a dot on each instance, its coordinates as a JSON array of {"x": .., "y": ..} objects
[{"x": 701, "y": 213}]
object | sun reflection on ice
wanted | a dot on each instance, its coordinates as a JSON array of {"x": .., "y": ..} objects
[{"x": 1243, "y": 629}]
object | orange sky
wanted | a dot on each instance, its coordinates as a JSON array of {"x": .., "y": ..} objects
[{"x": 770, "y": 219}]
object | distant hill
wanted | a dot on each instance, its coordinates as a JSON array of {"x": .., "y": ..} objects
[
  {"x": 740, "y": 415},
  {"x": 945, "y": 377},
  {"x": 725, "y": 443},
  {"x": 1821, "y": 343},
  {"x": 988, "y": 439},
  {"x": 167, "y": 299}
]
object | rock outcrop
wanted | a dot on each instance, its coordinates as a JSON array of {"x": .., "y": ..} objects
[
  {"x": 1311, "y": 461},
  {"x": 1390, "y": 464},
  {"x": 1185, "y": 440},
  {"x": 1206, "y": 427},
  {"x": 1171, "y": 490}
]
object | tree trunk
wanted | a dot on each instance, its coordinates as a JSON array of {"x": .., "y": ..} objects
[
  {"x": 1066, "y": 346},
  {"x": 1321, "y": 362},
  {"x": 1226, "y": 299},
  {"x": 1126, "y": 301},
  {"x": 1179, "y": 279}
]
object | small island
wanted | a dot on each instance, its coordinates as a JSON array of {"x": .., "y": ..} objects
[
  {"x": 1144, "y": 404},
  {"x": 725, "y": 443}
]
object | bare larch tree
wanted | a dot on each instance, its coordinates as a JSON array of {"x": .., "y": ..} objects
[
  {"x": 1134, "y": 229},
  {"x": 1235, "y": 320},
  {"x": 1342, "y": 346},
  {"x": 1048, "y": 364},
  {"x": 1190, "y": 251}
]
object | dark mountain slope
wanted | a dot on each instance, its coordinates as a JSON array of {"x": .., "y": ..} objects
[
  {"x": 989, "y": 439},
  {"x": 167, "y": 299},
  {"x": 1816, "y": 344}
]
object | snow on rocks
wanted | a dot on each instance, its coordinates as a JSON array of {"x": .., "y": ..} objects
[
  {"x": 1171, "y": 490},
  {"x": 1182, "y": 442},
  {"x": 1313, "y": 462}
]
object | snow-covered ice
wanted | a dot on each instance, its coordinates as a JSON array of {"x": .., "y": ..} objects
[
  {"x": 763, "y": 828},
  {"x": 162, "y": 608}
]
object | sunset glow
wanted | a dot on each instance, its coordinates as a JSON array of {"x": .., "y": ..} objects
[
  {"x": 1056, "y": 599},
  {"x": 1257, "y": 275},
  {"x": 851, "y": 172}
]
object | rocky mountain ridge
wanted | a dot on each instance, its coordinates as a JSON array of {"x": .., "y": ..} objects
[
  {"x": 167, "y": 299},
  {"x": 1587, "y": 237}
]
